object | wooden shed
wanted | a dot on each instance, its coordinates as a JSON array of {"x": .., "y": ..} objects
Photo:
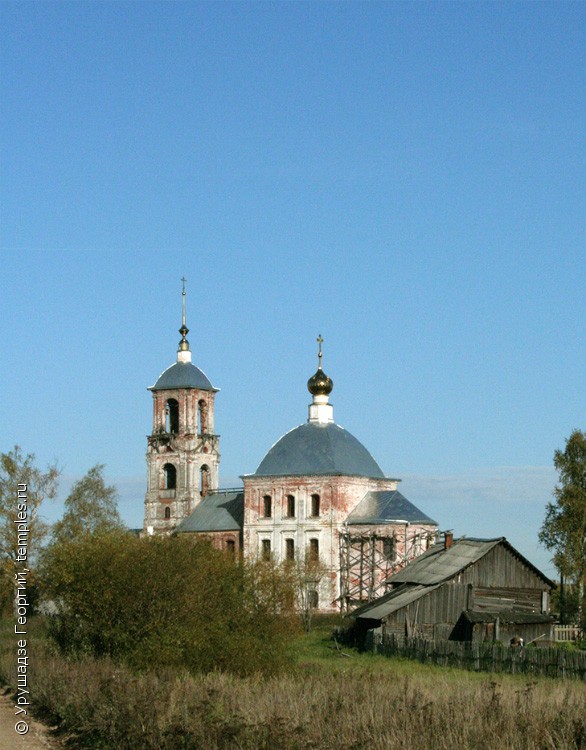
[{"x": 465, "y": 590}]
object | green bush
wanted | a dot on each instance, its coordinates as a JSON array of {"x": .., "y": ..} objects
[{"x": 169, "y": 601}]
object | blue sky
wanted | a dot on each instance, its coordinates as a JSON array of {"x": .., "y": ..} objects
[{"x": 407, "y": 179}]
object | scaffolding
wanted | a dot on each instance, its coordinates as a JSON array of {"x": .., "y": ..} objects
[{"x": 369, "y": 558}]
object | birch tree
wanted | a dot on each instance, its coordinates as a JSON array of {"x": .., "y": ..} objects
[
  {"x": 564, "y": 529},
  {"x": 20, "y": 479}
]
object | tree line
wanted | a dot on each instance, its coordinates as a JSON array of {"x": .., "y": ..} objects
[{"x": 177, "y": 600}]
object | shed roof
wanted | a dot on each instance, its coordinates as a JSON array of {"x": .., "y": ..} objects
[
  {"x": 430, "y": 570},
  {"x": 391, "y": 602},
  {"x": 512, "y": 616},
  {"x": 387, "y": 506},
  {"x": 218, "y": 511},
  {"x": 439, "y": 564}
]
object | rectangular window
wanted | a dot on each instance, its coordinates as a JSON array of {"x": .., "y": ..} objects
[
  {"x": 290, "y": 506},
  {"x": 289, "y": 549},
  {"x": 313, "y": 550},
  {"x": 231, "y": 547},
  {"x": 389, "y": 549},
  {"x": 266, "y": 549},
  {"x": 267, "y": 506},
  {"x": 315, "y": 506}
]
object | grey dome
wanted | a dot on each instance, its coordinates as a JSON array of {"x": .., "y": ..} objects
[
  {"x": 319, "y": 449},
  {"x": 182, "y": 375}
]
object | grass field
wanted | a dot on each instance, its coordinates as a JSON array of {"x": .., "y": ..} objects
[{"x": 328, "y": 698}]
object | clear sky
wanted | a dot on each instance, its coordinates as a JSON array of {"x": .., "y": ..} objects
[{"x": 407, "y": 179}]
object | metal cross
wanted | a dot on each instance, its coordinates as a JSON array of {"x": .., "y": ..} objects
[
  {"x": 319, "y": 354},
  {"x": 183, "y": 325}
]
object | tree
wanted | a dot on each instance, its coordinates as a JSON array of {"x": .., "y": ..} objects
[
  {"x": 168, "y": 602},
  {"x": 19, "y": 472},
  {"x": 564, "y": 529},
  {"x": 308, "y": 574},
  {"x": 90, "y": 507}
]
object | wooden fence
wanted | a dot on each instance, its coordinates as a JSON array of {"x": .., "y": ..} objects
[
  {"x": 566, "y": 633},
  {"x": 484, "y": 657}
]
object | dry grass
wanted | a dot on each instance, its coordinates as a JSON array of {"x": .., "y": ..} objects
[{"x": 326, "y": 701}]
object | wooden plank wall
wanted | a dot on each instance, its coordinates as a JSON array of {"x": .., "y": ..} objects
[
  {"x": 497, "y": 582},
  {"x": 500, "y": 567},
  {"x": 501, "y": 599},
  {"x": 442, "y": 606}
]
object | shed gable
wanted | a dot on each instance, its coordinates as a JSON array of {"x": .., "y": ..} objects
[{"x": 503, "y": 567}]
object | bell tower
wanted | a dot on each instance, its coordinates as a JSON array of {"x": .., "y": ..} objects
[{"x": 183, "y": 455}]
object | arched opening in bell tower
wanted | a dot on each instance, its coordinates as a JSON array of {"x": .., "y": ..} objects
[
  {"x": 204, "y": 480},
  {"x": 170, "y": 477},
  {"x": 172, "y": 416},
  {"x": 202, "y": 417}
]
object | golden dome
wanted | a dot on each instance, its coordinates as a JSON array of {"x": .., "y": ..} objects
[{"x": 320, "y": 384}]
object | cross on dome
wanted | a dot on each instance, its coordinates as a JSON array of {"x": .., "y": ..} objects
[
  {"x": 320, "y": 384},
  {"x": 183, "y": 353}
]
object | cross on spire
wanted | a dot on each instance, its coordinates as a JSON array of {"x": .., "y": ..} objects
[
  {"x": 184, "y": 330},
  {"x": 183, "y": 326},
  {"x": 319, "y": 354}
]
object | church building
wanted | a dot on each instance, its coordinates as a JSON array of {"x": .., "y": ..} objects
[{"x": 317, "y": 499}]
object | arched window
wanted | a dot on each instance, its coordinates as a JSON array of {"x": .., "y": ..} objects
[
  {"x": 204, "y": 480},
  {"x": 172, "y": 416},
  {"x": 313, "y": 550},
  {"x": 170, "y": 475},
  {"x": 267, "y": 506},
  {"x": 202, "y": 417},
  {"x": 231, "y": 547},
  {"x": 315, "y": 506},
  {"x": 167, "y": 512},
  {"x": 290, "y": 506}
]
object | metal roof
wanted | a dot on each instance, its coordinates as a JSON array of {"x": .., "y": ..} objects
[
  {"x": 319, "y": 449},
  {"x": 182, "y": 375},
  {"x": 219, "y": 511},
  {"x": 386, "y": 506}
]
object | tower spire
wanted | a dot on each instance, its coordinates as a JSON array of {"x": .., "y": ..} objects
[
  {"x": 183, "y": 353},
  {"x": 183, "y": 279},
  {"x": 320, "y": 386}
]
